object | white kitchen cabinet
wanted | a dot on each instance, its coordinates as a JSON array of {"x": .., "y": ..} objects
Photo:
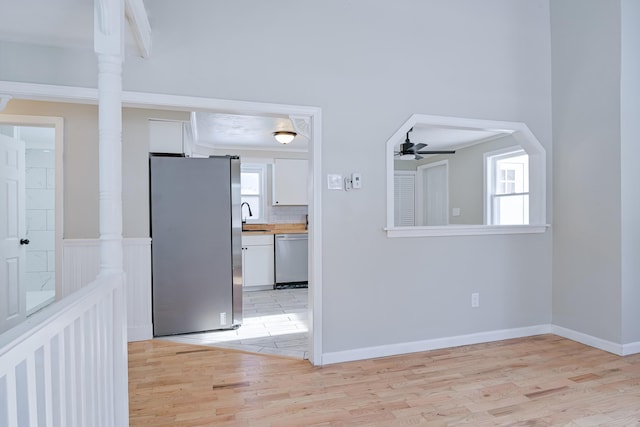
[
  {"x": 166, "y": 136},
  {"x": 257, "y": 262},
  {"x": 290, "y": 182}
]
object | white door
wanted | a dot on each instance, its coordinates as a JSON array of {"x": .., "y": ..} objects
[
  {"x": 12, "y": 232},
  {"x": 435, "y": 194}
]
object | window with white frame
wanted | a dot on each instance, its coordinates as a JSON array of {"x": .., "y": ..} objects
[
  {"x": 507, "y": 184},
  {"x": 252, "y": 191}
]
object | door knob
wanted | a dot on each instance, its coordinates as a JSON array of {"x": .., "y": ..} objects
[{"x": 24, "y": 241}]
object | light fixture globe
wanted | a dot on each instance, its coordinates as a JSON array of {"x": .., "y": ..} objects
[{"x": 284, "y": 136}]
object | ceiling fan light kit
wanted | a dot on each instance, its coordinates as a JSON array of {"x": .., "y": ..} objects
[{"x": 284, "y": 136}]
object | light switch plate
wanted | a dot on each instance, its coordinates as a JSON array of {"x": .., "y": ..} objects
[{"x": 334, "y": 181}]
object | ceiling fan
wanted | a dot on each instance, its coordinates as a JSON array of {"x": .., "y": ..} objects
[{"x": 411, "y": 149}]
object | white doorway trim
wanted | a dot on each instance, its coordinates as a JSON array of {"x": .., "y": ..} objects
[
  {"x": 58, "y": 124},
  {"x": 53, "y": 93}
]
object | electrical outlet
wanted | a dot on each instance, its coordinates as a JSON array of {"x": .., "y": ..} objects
[
  {"x": 475, "y": 300},
  {"x": 223, "y": 318}
]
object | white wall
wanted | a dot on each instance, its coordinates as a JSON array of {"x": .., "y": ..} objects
[
  {"x": 369, "y": 66},
  {"x": 630, "y": 153},
  {"x": 31, "y": 63},
  {"x": 595, "y": 256},
  {"x": 80, "y": 162}
]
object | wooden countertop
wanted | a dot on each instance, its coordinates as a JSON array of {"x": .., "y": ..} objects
[{"x": 260, "y": 229}]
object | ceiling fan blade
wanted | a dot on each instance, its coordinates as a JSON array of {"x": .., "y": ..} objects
[
  {"x": 418, "y": 157},
  {"x": 420, "y": 146}
]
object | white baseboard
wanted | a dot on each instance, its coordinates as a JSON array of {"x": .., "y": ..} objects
[
  {"x": 481, "y": 337},
  {"x": 631, "y": 348},
  {"x": 139, "y": 333},
  {"x": 611, "y": 347},
  {"x": 434, "y": 344}
]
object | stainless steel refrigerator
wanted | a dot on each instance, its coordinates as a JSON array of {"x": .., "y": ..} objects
[{"x": 195, "y": 243}]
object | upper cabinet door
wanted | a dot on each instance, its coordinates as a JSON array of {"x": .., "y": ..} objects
[
  {"x": 290, "y": 178},
  {"x": 166, "y": 136}
]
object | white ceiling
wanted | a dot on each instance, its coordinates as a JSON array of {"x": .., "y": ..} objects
[
  {"x": 442, "y": 137},
  {"x": 450, "y": 138},
  {"x": 69, "y": 24},
  {"x": 59, "y": 23},
  {"x": 244, "y": 132}
]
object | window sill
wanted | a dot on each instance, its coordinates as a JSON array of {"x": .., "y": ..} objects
[{"x": 464, "y": 230}]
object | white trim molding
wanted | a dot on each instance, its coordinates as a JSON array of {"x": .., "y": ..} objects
[
  {"x": 4, "y": 100},
  {"x": 591, "y": 341},
  {"x": 537, "y": 180},
  {"x": 79, "y": 95},
  {"x": 139, "y": 25},
  {"x": 464, "y": 230},
  {"x": 631, "y": 348},
  {"x": 433, "y": 344},
  {"x": 479, "y": 338}
]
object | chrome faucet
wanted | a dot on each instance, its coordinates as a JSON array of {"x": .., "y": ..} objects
[{"x": 244, "y": 220}]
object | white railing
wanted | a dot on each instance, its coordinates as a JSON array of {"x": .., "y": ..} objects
[{"x": 67, "y": 364}]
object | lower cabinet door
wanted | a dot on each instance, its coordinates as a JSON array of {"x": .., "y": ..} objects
[{"x": 258, "y": 266}]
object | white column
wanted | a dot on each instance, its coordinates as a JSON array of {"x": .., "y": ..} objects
[
  {"x": 109, "y": 21},
  {"x": 110, "y": 162}
]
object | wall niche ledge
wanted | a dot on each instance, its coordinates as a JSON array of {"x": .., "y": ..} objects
[{"x": 464, "y": 230}]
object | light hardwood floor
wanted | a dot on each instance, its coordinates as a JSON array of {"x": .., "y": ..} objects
[{"x": 537, "y": 381}]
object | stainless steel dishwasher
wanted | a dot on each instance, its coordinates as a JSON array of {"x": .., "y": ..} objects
[{"x": 291, "y": 260}]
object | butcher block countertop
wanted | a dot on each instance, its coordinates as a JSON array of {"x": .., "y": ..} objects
[{"x": 258, "y": 229}]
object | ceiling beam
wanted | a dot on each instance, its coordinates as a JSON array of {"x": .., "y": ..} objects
[{"x": 139, "y": 25}]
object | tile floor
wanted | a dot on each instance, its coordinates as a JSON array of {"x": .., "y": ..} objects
[{"x": 275, "y": 322}]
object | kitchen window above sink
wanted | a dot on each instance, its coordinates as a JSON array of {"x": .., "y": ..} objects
[{"x": 252, "y": 191}]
